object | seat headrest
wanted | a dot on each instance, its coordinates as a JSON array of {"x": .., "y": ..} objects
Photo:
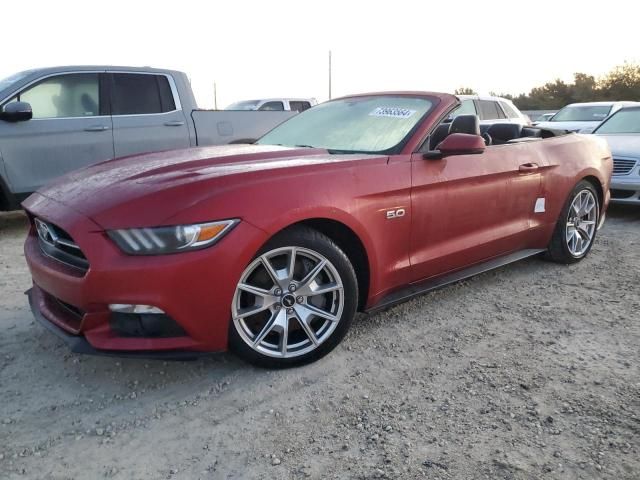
[
  {"x": 505, "y": 131},
  {"x": 465, "y": 124}
]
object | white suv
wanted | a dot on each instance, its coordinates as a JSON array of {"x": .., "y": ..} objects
[
  {"x": 490, "y": 110},
  {"x": 275, "y": 104}
]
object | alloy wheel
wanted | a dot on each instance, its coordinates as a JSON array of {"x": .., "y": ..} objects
[
  {"x": 581, "y": 223},
  {"x": 288, "y": 302}
]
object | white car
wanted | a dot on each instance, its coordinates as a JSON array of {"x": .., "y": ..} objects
[
  {"x": 490, "y": 110},
  {"x": 275, "y": 104},
  {"x": 583, "y": 117}
]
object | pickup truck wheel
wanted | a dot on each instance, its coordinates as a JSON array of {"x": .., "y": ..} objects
[
  {"x": 294, "y": 302},
  {"x": 577, "y": 226}
]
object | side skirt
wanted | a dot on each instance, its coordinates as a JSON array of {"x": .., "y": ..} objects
[{"x": 428, "y": 285}]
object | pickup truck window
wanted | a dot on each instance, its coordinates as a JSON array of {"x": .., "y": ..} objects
[
  {"x": 299, "y": 106},
  {"x": 272, "y": 106},
  {"x": 140, "y": 94},
  {"x": 372, "y": 124},
  {"x": 73, "y": 95}
]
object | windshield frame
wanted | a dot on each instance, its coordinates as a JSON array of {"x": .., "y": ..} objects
[
  {"x": 393, "y": 150},
  {"x": 13, "y": 79},
  {"x": 624, "y": 109},
  {"x": 570, "y": 107}
]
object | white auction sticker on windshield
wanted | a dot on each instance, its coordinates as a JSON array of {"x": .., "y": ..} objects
[{"x": 393, "y": 112}]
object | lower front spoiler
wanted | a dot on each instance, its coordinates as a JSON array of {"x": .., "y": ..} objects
[{"x": 79, "y": 344}]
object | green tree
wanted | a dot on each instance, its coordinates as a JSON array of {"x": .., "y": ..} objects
[
  {"x": 464, "y": 91},
  {"x": 584, "y": 88},
  {"x": 622, "y": 83}
]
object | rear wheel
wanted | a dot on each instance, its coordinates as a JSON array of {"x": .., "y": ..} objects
[
  {"x": 294, "y": 302},
  {"x": 577, "y": 226}
]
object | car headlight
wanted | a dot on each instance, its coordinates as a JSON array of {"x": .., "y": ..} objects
[{"x": 163, "y": 240}]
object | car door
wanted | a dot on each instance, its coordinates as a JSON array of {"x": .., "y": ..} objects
[
  {"x": 71, "y": 128},
  {"x": 469, "y": 208},
  {"x": 146, "y": 112}
]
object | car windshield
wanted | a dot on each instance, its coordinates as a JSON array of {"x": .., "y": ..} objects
[
  {"x": 582, "y": 113},
  {"x": 370, "y": 124},
  {"x": 246, "y": 105},
  {"x": 623, "y": 121}
]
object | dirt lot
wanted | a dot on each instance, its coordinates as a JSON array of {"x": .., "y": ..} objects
[{"x": 527, "y": 372}]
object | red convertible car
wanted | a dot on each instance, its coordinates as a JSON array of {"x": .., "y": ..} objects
[{"x": 271, "y": 248}]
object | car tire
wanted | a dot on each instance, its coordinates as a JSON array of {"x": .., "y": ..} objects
[
  {"x": 577, "y": 225},
  {"x": 294, "y": 302}
]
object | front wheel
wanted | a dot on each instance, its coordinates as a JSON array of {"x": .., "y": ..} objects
[
  {"x": 576, "y": 229},
  {"x": 294, "y": 302}
]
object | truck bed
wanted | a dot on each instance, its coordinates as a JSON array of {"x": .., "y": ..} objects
[{"x": 216, "y": 127}]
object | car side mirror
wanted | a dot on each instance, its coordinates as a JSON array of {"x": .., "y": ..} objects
[
  {"x": 457, "y": 144},
  {"x": 16, "y": 112}
]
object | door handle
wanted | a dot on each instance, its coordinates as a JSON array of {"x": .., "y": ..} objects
[
  {"x": 96, "y": 128},
  {"x": 528, "y": 167},
  {"x": 174, "y": 123}
]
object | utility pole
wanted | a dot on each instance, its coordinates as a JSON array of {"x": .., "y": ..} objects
[
  {"x": 329, "y": 74},
  {"x": 215, "y": 96}
]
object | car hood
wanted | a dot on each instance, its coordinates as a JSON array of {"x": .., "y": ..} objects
[
  {"x": 623, "y": 145},
  {"x": 148, "y": 189},
  {"x": 571, "y": 126}
]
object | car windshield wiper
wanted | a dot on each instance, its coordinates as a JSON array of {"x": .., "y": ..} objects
[
  {"x": 305, "y": 146},
  {"x": 347, "y": 152}
]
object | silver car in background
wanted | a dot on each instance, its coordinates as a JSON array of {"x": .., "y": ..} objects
[
  {"x": 582, "y": 117},
  {"x": 622, "y": 132},
  {"x": 275, "y": 104}
]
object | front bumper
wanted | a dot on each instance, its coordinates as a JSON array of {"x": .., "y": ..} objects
[
  {"x": 195, "y": 288},
  {"x": 625, "y": 189},
  {"x": 79, "y": 344}
]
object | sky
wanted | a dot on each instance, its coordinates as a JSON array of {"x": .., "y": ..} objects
[{"x": 262, "y": 49}]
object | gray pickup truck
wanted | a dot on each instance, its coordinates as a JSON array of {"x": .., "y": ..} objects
[{"x": 54, "y": 120}]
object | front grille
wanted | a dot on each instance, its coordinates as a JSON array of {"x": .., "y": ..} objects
[
  {"x": 58, "y": 244},
  {"x": 622, "y": 166}
]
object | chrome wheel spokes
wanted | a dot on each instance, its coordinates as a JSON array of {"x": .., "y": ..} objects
[
  {"x": 581, "y": 223},
  {"x": 288, "y": 302}
]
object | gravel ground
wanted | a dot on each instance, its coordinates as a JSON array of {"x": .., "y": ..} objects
[{"x": 527, "y": 372}]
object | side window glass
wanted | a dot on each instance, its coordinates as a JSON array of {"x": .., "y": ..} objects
[
  {"x": 299, "y": 106},
  {"x": 135, "y": 94},
  {"x": 272, "y": 106},
  {"x": 167, "y": 101},
  {"x": 467, "y": 107},
  {"x": 511, "y": 113},
  {"x": 490, "y": 110},
  {"x": 73, "y": 95}
]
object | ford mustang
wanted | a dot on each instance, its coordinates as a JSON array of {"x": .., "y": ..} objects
[{"x": 271, "y": 248}]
